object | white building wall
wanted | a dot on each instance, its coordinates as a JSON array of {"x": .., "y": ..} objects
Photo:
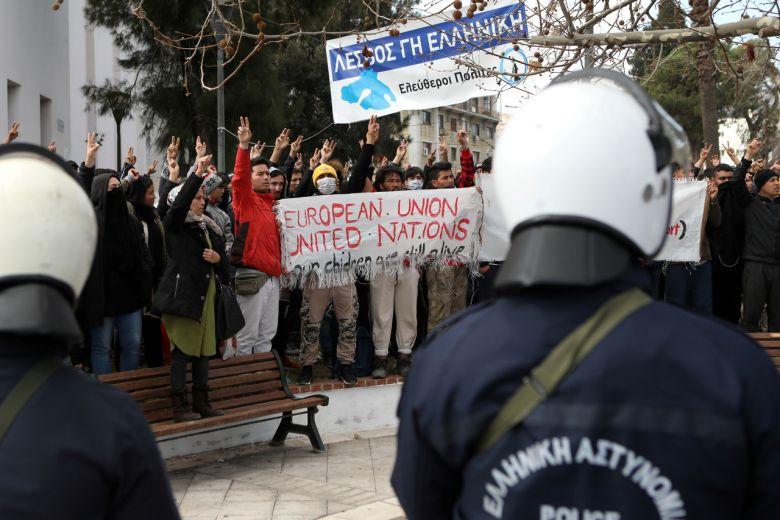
[
  {"x": 53, "y": 54},
  {"x": 35, "y": 57}
]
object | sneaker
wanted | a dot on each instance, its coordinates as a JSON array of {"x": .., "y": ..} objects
[
  {"x": 306, "y": 375},
  {"x": 404, "y": 364},
  {"x": 380, "y": 367},
  {"x": 347, "y": 374}
]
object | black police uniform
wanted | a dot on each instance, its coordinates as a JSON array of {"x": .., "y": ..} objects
[
  {"x": 79, "y": 449},
  {"x": 671, "y": 416}
]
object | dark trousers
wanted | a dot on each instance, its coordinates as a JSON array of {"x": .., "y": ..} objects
[
  {"x": 152, "y": 336},
  {"x": 760, "y": 285},
  {"x": 200, "y": 371},
  {"x": 690, "y": 286},
  {"x": 289, "y": 320},
  {"x": 727, "y": 291}
]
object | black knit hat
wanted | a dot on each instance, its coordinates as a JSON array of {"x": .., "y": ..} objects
[{"x": 763, "y": 176}]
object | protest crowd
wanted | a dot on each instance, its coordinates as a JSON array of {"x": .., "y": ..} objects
[{"x": 172, "y": 258}]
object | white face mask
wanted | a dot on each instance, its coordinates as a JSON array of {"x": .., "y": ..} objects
[
  {"x": 326, "y": 185},
  {"x": 414, "y": 184}
]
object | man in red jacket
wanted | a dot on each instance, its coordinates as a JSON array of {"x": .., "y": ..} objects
[{"x": 256, "y": 252}]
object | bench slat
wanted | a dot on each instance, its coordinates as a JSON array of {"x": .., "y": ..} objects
[
  {"x": 163, "y": 401},
  {"x": 243, "y": 379},
  {"x": 166, "y": 413},
  {"x": 240, "y": 414},
  {"x": 148, "y": 373},
  {"x": 214, "y": 376}
]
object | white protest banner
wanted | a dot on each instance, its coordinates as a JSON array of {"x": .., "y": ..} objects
[
  {"x": 339, "y": 237},
  {"x": 417, "y": 68},
  {"x": 683, "y": 238},
  {"x": 495, "y": 235}
]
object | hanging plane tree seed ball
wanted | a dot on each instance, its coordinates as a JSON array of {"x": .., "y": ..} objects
[
  {"x": 223, "y": 43},
  {"x": 457, "y": 15},
  {"x": 404, "y": 20},
  {"x": 457, "y": 4},
  {"x": 517, "y": 47},
  {"x": 366, "y": 64},
  {"x": 230, "y": 50},
  {"x": 255, "y": 17},
  {"x": 537, "y": 54}
]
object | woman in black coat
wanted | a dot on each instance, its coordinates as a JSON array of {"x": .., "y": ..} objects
[
  {"x": 120, "y": 280},
  {"x": 140, "y": 195},
  {"x": 186, "y": 296}
]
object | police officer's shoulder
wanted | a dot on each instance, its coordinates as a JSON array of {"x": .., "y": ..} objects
[{"x": 721, "y": 341}]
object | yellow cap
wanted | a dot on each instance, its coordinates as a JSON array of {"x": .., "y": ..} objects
[{"x": 323, "y": 169}]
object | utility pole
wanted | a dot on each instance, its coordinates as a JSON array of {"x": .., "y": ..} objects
[{"x": 220, "y": 33}]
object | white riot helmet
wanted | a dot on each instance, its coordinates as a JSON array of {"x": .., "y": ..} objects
[
  {"x": 49, "y": 235},
  {"x": 584, "y": 180}
]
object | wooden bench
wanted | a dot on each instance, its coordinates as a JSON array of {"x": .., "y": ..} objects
[
  {"x": 247, "y": 388},
  {"x": 770, "y": 341}
]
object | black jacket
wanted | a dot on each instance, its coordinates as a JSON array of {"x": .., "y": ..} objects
[
  {"x": 79, "y": 449},
  {"x": 727, "y": 241},
  {"x": 183, "y": 288},
  {"x": 120, "y": 280},
  {"x": 762, "y": 220},
  {"x": 672, "y": 415},
  {"x": 355, "y": 183}
]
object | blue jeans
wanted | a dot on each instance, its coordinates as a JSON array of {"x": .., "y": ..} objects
[
  {"x": 128, "y": 327},
  {"x": 690, "y": 286}
]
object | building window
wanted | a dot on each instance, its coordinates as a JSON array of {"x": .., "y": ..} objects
[
  {"x": 453, "y": 124},
  {"x": 453, "y": 154},
  {"x": 486, "y": 103},
  {"x": 441, "y": 123},
  {"x": 489, "y": 130},
  {"x": 14, "y": 102},
  {"x": 426, "y": 148},
  {"x": 475, "y": 130},
  {"x": 474, "y": 105},
  {"x": 426, "y": 117},
  {"x": 46, "y": 120},
  {"x": 476, "y": 157}
]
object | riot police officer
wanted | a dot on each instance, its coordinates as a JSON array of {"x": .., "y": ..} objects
[
  {"x": 573, "y": 395},
  {"x": 70, "y": 447}
]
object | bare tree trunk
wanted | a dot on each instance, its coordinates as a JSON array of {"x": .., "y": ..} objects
[{"x": 707, "y": 79}]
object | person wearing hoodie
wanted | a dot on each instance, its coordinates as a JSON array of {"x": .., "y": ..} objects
[
  {"x": 120, "y": 281},
  {"x": 187, "y": 293},
  {"x": 256, "y": 251},
  {"x": 214, "y": 185},
  {"x": 761, "y": 274},
  {"x": 140, "y": 195}
]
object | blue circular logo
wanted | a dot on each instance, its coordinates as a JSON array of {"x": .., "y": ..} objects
[{"x": 513, "y": 62}]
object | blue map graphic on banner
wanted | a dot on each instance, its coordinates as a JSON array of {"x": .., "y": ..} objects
[{"x": 380, "y": 96}]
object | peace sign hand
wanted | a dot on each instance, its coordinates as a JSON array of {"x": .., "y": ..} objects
[
  {"x": 173, "y": 149},
  {"x": 244, "y": 133}
]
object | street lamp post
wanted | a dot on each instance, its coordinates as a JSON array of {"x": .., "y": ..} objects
[{"x": 219, "y": 33}]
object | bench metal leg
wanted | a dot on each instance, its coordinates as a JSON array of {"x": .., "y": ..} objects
[{"x": 309, "y": 430}]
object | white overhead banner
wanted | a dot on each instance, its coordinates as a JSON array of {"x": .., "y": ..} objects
[
  {"x": 340, "y": 237},
  {"x": 683, "y": 238},
  {"x": 418, "y": 68}
]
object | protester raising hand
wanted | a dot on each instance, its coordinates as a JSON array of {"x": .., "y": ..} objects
[
  {"x": 463, "y": 139},
  {"x": 202, "y": 165},
  {"x": 299, "y": 162},
  {"x": 400, "y": 152},
  {"x": 92, "y": 149},
  {"x": 152, "y": 168},
  {"x": 442, "y": 148},
  {"x": 130, "y": 158},
  {"x": 712, "y": 191},
  {"x": 752, "y": 149},
  {"x": 372, "y": 135},
  {"x": 13, "y": 133},
  {"x": 295, "y": 146},
  {"x": 244, "y": 133},
  {"x": 173, "y": 149},
  {"x": 257, "y": 150},
  {"x": 703, "y": 154},
  {"x": 315, "y": 159},
  {"x": 52, "y": 146},
  {"x": 328, "y": 147},
  {"x": 732, "y": 154},
  {"x": 173, "y": 171},
  {"x": 200, "y": 147}
]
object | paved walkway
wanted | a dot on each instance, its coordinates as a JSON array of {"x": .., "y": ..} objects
[{"x": 350, "y": 482}]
